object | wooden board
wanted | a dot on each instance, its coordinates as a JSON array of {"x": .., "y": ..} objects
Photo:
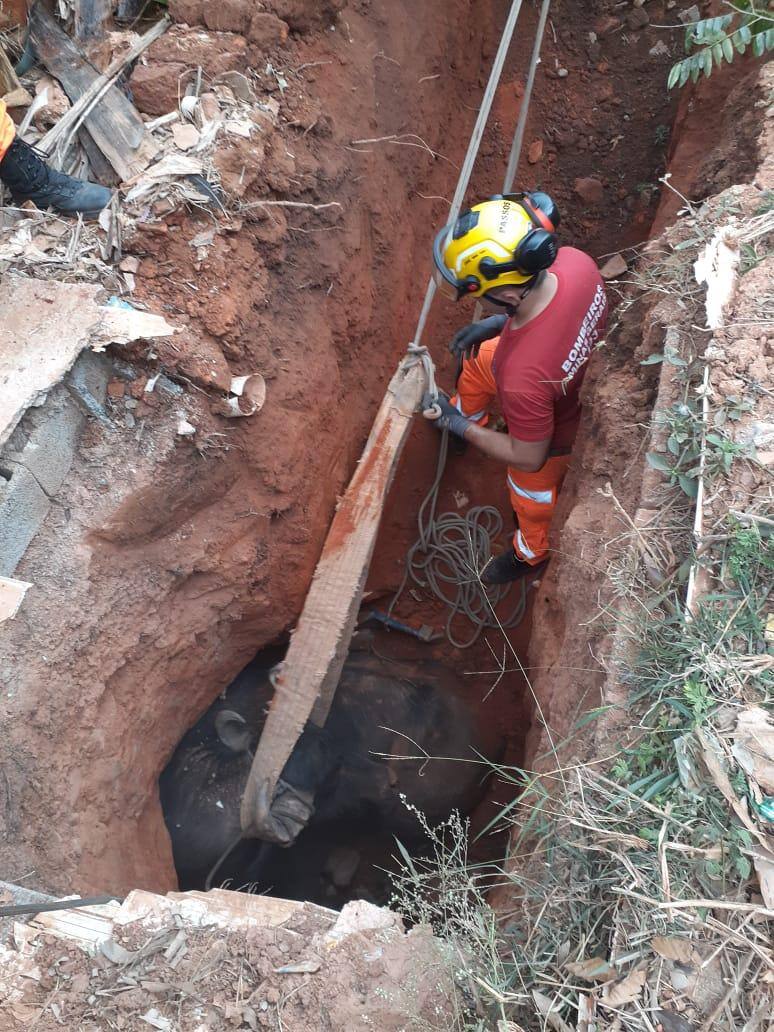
[
  {"x": 114, "y": 124},
  {"x": 11, "y": 90},
  {"x": 307, "y": 679}
]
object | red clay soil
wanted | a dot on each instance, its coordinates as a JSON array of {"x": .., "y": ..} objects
[{"x": 168, "y": 563}]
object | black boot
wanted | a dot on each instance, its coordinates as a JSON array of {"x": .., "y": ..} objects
[
  {"x": 508, "y": 567},
  {"x": 29, "y": 178}
]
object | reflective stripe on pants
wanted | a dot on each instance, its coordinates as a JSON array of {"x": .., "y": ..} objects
[
  {"x": 533, "y": 495},
  {"x": 7, "y": 130}
]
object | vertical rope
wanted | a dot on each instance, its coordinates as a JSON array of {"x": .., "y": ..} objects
[
  {"x": 518, "y": 140},
  {"x": 472, "y": 152}
]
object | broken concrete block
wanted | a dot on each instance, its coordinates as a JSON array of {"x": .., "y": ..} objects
[
  {"x": 88, "y": 380},
  {"x": 23, "y": 510},
  {"x": 45, "y": 441}
]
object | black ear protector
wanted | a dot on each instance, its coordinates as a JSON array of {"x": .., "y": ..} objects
[{"x": 538, "y": 250}]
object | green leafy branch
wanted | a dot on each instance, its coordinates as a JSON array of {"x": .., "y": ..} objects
[{"x": 712, "y": 41}]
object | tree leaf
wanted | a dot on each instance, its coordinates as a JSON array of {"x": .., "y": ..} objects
[
  {"x": 549, "y": 1009},
  {"x": 685, "y": 72},
  {"x": 728, "y": 49},
  {"x": 674, "y": 75},
  {"x": 758, "y": 44},
  {"x": 689, "y": 486},
  {"x": 680, "y": 950},
  {"x": 406, "y": 857},
  {"x": 717, "y": 54},
  {"x": 744, "y": 33},
  {"x": 706, "y": 60},
  {"x": 615, "y": 994},
  {"x": 660, "y": 462},
  {"x": 593, "y": 969},
  {"x": 655, "y": 359}
]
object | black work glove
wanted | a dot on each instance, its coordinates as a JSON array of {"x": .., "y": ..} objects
[
  {"x": 469, "y": 339},
  {"x": 449, "y": 419}
]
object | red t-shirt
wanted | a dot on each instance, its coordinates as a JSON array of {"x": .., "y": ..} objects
[{"x": 539, "y": 367}]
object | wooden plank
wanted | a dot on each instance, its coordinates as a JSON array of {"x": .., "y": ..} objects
[
  {"x": 91, "y": 18},
  {"x": 114, "y": 123},
  {"x": 307, "y": 679},
  {"x": 11, "y": 90}
]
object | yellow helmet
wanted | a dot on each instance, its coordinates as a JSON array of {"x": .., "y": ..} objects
[{"x": 505, "y": 241}]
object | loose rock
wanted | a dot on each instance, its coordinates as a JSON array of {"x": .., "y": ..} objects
[
  {"x": 155, "y": 87},
  {"x": 590, "y": 190},
  {"x": 228, "y": 15},
  {"x": 535, "y": 152},
  {"x": 606, "y": 24},
  {"x": 692, "y": 14},
  {"x": 191, "y": 12},
  {"x": 637, "y": 18},
  {"x": 614, "y": 267},
  {"x": 267, "y": 31}
]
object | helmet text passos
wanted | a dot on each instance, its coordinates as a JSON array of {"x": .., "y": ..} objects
[{"x": 505, "y": 241}]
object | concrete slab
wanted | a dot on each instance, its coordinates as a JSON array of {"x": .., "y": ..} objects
[{"x": 46, "y": 325}]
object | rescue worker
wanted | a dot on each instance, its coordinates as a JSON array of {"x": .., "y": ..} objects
[
  {"x": 29, "y": 178},
  {"x": 532, "y": 358}
]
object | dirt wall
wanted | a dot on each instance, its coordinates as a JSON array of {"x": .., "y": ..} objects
[{"x": 572, "y": 645}]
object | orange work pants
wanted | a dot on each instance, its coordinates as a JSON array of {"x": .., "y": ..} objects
[
  {"x": 7, "y": 130},
  {"x": 533, "y": 495}
]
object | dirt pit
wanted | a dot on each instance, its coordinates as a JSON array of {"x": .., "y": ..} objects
[{"x": 180, "y": 557}]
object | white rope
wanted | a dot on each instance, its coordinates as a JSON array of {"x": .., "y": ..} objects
[
  {"x": 416, "y": 354},
  {"x": 518, "y": 139},
  {"x": 473, "y": 146}
]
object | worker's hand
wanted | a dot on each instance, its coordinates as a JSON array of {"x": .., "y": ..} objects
[
  {"x": 469, "y": 339},
  {"x": 444, "y": 415}
]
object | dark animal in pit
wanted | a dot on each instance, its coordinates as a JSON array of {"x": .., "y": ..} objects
[{"x": 394, "y": 708}]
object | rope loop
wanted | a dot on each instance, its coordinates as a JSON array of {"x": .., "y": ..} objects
[{"x": 417, "y": 354}]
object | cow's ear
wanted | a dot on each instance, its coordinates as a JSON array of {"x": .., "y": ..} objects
[{"x": 233, "y": 731}]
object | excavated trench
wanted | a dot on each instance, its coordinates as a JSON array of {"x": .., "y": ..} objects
[{"x": 179, "y": 563}]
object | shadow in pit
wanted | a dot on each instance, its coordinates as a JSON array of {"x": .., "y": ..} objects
[{"x": 402, "y": 729}]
